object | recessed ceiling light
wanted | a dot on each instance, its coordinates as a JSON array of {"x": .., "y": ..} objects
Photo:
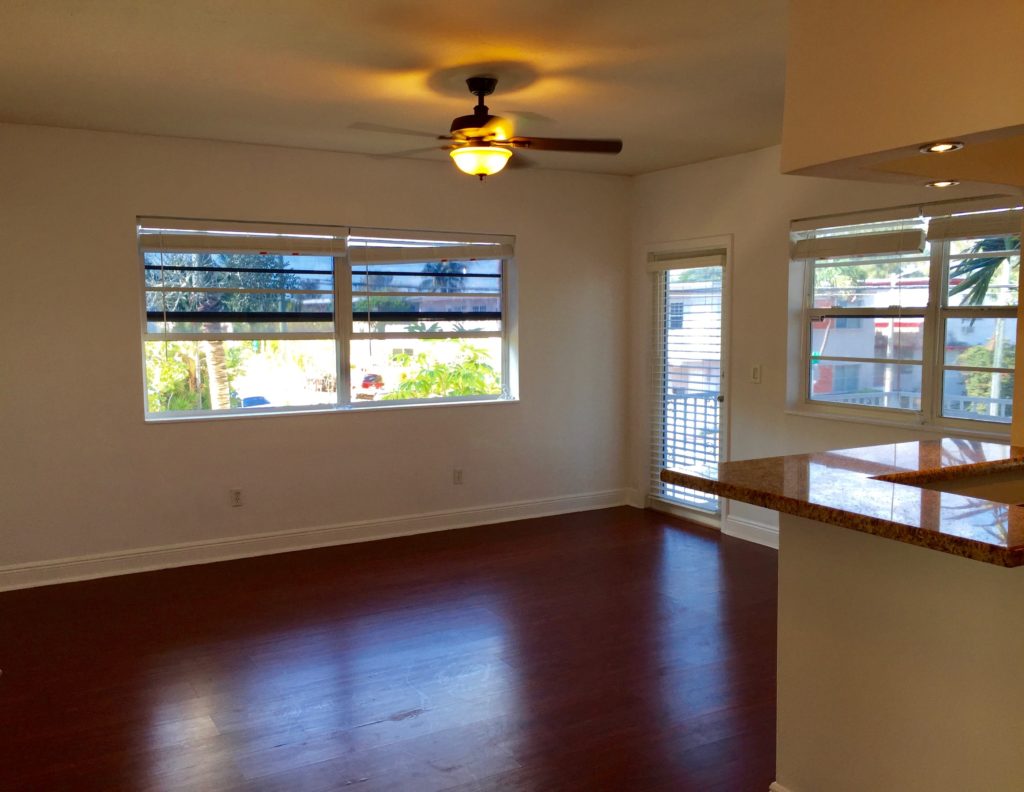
[
  {"x": 941, "y": 185},
  {"x": 942, "y": 147}
]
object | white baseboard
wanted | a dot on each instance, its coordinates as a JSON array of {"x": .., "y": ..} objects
[
  {"x": 64, "y": 570},
  {"x": 636, "y": 498},
  {"x": 762, "y": 534},
  {"x": 777, "y": 787}
]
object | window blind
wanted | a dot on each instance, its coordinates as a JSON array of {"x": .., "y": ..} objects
[
  {"x": 860, "y": 245},
  {"x": 972, "y": 226},
  {"x": 687, "y": 371},
  {"x": 211, "y": 280},
  {"x": 427, "y": 285},
  {"x": 192, "y": 236}
]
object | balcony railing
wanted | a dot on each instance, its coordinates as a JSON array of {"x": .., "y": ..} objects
[
  {"x": 690, "y": 431},
  {"x": 975, "y": 408}
]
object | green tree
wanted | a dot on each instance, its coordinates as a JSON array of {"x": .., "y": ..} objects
[
  {"x": 365, "y": 307},
  {"x": 175, "y": 368},
  {"x": 468, "y": 375},
  {"x": 979, "y": 383},
  {"x": 173, "y": 376}
]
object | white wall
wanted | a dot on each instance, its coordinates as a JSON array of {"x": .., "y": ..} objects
[
  {"x": 80, "y": 471},
  {"x": 745, "y": 196}
]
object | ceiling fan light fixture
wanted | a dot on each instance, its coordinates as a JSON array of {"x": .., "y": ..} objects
[{"x": 480, "y": 160}]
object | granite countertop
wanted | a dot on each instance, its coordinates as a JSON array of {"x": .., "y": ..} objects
[{"x": 842, "y": 488}]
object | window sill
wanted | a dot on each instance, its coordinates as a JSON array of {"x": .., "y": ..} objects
[
  {"x": 912, "y": 423},
  {"x": 327, "y": 410}
]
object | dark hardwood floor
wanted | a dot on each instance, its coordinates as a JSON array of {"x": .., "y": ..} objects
[{"x": 610, "y": 650}]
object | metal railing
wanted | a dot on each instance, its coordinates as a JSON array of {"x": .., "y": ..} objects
[
  {"x": 976, "y": 408},
  {"x": 690, "y": 438}
]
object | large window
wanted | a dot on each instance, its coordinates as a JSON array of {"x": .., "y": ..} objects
[
  {"x": 910, "y": 316},
  {"x": 246, "y": 318}
]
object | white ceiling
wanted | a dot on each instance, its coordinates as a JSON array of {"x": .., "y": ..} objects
[{"x": 678, "y": 80}]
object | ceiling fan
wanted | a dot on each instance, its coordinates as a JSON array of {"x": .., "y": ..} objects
[{"x": 481, "y": 144}]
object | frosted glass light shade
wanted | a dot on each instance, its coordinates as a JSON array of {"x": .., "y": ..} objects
[{"x": 481, "y": 160}]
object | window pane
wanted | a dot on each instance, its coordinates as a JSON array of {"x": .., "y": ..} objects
[
  {"x": 868, "y": 337},
  {"x": 237, "y": 270},
  {"x": 269, "y": 328},
  {"x": 416, "y": 307},
  {"x": 892, "y": 385},
  {"x": 415, "y": 368},
  {"x": 874, "y": 283},
  {"x": 984, "y": 271},
  {"x": 404, "y": 326},
  {"x": 238, "y": 302},
  {"x": 982, "y": 342},
  {"x": 265, "y": 373},
  {"x": 227, "y": 293},
  {"x": 323, "y": 281},
  {"x": 960, "y": 247},
  {"x": 437, "y": 276},
  {"x": 977, "y": 395}
]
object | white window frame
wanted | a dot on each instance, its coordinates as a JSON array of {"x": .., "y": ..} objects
[
  {"x": 934, "y": 315},
  {"x": 343, "y": 320}
]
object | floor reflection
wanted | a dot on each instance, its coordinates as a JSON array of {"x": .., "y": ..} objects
[{"x": 609, "y": 650}]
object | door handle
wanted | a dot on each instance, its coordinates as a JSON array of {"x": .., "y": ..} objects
[{"x": 720, "y": 398}]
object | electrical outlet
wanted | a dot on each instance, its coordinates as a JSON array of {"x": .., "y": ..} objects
[
  {"x": 755, "y": 375},
  {"x": 457, "y": 476},
  {"x": 235, "y": 496}
]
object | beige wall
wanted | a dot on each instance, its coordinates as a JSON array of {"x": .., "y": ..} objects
[
  {"x": 747, "y": 197},
  {"x": 866, "y": 76},
  {"x": 80, "y": 472}
]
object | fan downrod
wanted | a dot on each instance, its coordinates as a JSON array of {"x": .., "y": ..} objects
[{"x": 478, "y": 124}]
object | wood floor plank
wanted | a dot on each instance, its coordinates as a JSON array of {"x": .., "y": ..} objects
[{"x": 610, "y": 650}]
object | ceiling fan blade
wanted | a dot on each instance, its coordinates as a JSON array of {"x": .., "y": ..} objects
[
  {"x": 396, "y": 130},
  {"x": 517, "y": 162},
  {"x": 567, "y": 144},
  {"x": 410, "y": 152}
]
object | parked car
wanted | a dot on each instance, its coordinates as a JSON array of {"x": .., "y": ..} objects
[{"x": 369, "y": 386}]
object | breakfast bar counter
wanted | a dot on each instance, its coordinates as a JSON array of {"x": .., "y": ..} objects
[
  {"x": 901, "y": 627},
  {"x": 893, "y": 491}
]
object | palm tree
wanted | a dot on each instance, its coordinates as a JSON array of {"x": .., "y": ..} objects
[
  {"x": 977, "y": 273},
  {"x": 445, "y": 276}
]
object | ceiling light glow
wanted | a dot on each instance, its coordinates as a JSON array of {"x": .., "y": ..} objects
[
  {"x": 481, "y": 160},
  {"x": 942, "y": 147},
  {"x": 942, "y": 184}
]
